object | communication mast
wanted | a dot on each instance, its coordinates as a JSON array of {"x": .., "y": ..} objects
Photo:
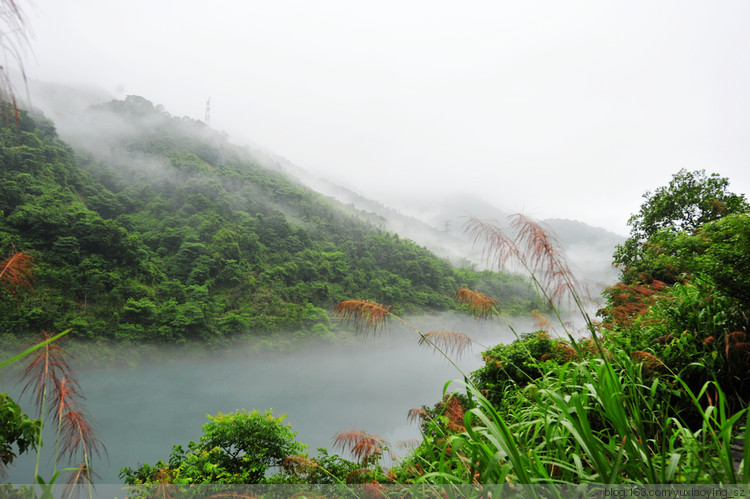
[{"x": 207, "y": 119}]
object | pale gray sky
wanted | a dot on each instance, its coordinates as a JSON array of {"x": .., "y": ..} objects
[{"x": 556, "y": 108}]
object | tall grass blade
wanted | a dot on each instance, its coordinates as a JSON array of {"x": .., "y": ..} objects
[
  {"x": 746, "y": 451},
  {"x": 34, "y": 348}
]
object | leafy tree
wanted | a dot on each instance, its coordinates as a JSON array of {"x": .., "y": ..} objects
[
  {"x": 690, "y": 200},
  {"x": 239, "y": 447},
  {"x": 16, "y": 428}
]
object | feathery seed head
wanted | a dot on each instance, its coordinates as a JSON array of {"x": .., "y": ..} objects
[
  {"x": 77, "y": 433},
  {"x": 363, "y": 446},
  {"x": 15, "y": 272},
  {"x": 367, "y": 315},
  {"x": 416, "y": 415},
  {"x": 46, "y": 368},
  {"x": 479, "y": 304},
  {"x": 450, "y": 342}
]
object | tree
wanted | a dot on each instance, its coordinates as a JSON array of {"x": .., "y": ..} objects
[
  {"x": 235, "y": 448},
  {"x": 16, "y": 429},
  {"x": 716, "y": 253},
  {"x": 689, "y": 201}
]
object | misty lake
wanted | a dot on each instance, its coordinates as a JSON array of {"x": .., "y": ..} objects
[{"x": 140, "y": 413}]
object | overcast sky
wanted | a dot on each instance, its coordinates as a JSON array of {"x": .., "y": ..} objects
[{"x": 558, "y": 109}]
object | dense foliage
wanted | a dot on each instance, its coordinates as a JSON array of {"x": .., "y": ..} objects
[
  {"x": 160, "y": 230},
  {"x": 234, "y": 448},
  {"x": 691, "y": 200},
  {"x": 18, "y": 433}
]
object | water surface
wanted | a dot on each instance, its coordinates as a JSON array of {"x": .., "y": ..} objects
[{"x": 370, "y": 385}]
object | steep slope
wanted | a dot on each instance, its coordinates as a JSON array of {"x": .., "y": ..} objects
[{"x": 160, "y": 229}]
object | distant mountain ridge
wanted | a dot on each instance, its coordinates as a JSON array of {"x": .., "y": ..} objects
[
  {"x": 437, "y": 226},
  {"x": 440, "y": 228}
]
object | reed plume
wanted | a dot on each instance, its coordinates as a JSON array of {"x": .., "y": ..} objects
[
  {"x": 14, "y": 39},
  {"x": 479, "y": 304},
  {"x": 44, "y": 371},
  {"x": 538, "y": 252},
  {"x": 51, "y": 380},
  {"x": 535, "y": 248},
  {"x": 416, "y": 415},
  {"x": 541, "y": 321},
  {"x": 80, "y": 475},
  {"x": 77, "y": 433},
  {"x": 15, "y": 272},
  {"x": 363, "y": 446},
  {"x": 543, "y": 252},
  {"x": 408, "y": 444},
  {"x": 497, "y": 247},
  {"x": 367, "y": 315},
  {"x": 450, "y": 342}
]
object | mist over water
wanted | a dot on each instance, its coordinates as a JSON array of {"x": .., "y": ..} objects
[{"x": 141, "y": 412}]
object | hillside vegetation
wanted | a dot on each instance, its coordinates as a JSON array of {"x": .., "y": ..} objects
[{"x": 156, "y": 228}]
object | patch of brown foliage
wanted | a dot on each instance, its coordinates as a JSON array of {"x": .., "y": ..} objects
[
  {"x": 629, "y": 301},
  {"x": 455, "y": 414},
  {"x": 298, "y": 465},
  {"x": 651, "y": 363}
]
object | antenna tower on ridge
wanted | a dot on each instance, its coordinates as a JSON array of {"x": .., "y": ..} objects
[{"x": 207, "y": 119}]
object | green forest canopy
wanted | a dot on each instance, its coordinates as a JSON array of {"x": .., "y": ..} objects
[{"x": 161, "y": 230}]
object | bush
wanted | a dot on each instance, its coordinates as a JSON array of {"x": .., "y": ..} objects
[
  {"x": 519, "y": 363},
  {"x": 239, "y": 447}
]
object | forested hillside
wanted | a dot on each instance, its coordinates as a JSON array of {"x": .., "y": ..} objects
[{"x": 156, "y": 228}]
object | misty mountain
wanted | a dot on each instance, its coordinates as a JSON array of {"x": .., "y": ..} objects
[
  {"x": 435, "y": 224},
  {"x": 439, "y": 226},
  {"x": 153, "y": 227}
]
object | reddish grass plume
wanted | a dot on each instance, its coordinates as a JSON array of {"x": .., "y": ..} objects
[
  {"x": 363, "y": 446},
  {"x": 16, "y": 273},
  {"x": 367, "y": 315},
  {"x": 479, "y": 304},
  {"x": 450, "y": 342}
]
